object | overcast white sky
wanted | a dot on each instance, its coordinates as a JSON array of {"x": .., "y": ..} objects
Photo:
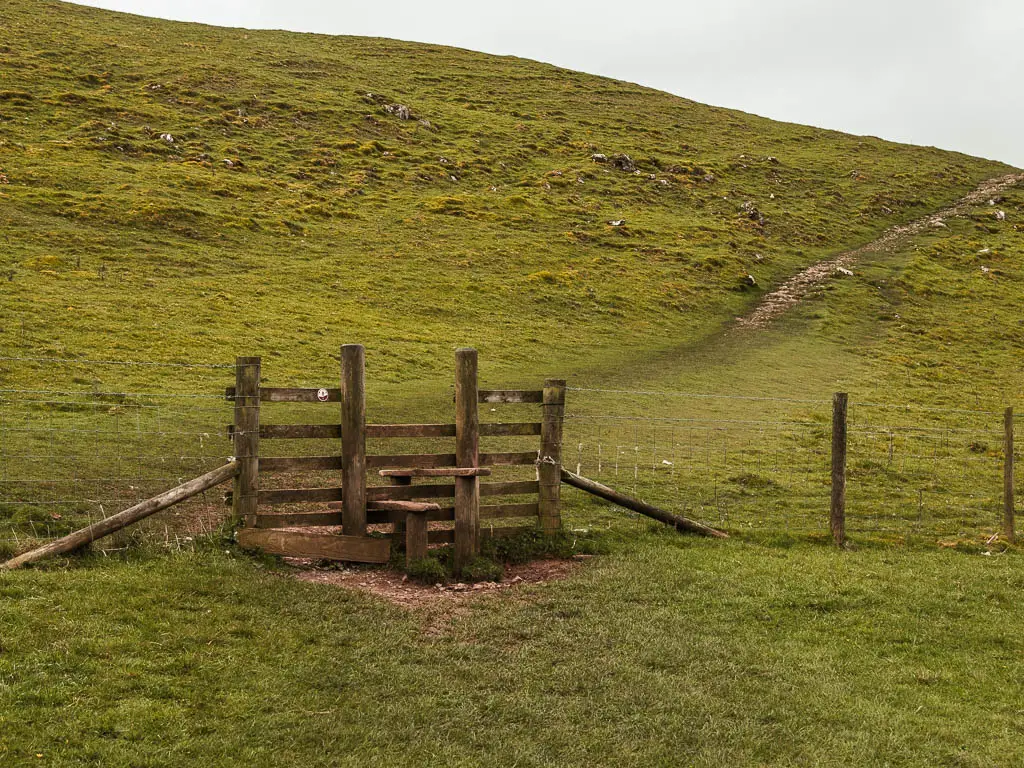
[{"x": 943, "y": 72}]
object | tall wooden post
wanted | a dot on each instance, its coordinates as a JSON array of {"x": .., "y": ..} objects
[
  {"x": 467, "y": 454},
  {"x": 353, "y": 440},
  {"x": 549, "y": 470},
  {"x": 1008, "y": 490},
  {"x": 837, "y": 516},
  {"x": 246, "y": 440}
]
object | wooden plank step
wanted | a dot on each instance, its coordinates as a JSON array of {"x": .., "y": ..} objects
[
  {"x": 355, "y": 549},
  {"x": 436, "y": 472},
  {"x": 402, "y": 506}
]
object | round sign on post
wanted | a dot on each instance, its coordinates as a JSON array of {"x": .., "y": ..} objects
[{"x": 322, "y": 395}]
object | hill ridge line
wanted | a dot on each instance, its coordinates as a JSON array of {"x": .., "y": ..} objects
[{"x": 793, "y": 291}]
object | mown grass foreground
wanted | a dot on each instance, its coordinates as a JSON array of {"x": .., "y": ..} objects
[{"x": 669, "y": 651}]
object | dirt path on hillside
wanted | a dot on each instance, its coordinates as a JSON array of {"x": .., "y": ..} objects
[{"x": 795, "y": 289}]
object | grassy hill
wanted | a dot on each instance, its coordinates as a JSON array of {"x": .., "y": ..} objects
[
  {"x": 174, "y": 192},
  {"x": 177, "y": 192}
]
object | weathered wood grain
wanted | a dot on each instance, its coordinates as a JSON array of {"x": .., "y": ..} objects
[{"x": 355, "y": 549}]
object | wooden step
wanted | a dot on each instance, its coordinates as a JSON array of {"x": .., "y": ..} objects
[
  {"x": 323, "y": 546},
  {"x": 403, "y": 506},
  {"x": 437, "y": 472}
]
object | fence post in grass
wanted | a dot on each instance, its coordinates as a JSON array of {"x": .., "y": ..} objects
[
  {"x": 467, "y": 454},
  {"x": 837, "y": 516},
  {"x": 246, "y": 440},
  {"x": 1008, "y": 490},
  {"x": 353, "y": 440},
  {"x": 549, "y": 469}
]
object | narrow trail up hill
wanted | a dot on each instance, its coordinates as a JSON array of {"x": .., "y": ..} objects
[{"x": 792, "y": 292}]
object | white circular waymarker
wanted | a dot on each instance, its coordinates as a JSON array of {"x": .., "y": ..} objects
[{"x": 322, "y": 395}]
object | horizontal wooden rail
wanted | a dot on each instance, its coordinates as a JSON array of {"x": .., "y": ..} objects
[
  {"x": 379, "y": 516},
  {"x": 291, "y": 395},
  {"x": 390, "y": 492},
  {"x": 388, "y": 461},
  {"x": 300, "y": 463},
  {"x": 496, "y": 511},
  {"x": 312, "y": 395},
  {"x": 524, "y": 428},
  {"x": 297, "y": 519},
  {"x": 410, "y": 430},
  {"x": 447, "y": 535},
  {"x": 516, "y": 459},
  {"x": 333, "y": 431},
  {"x": 511, "y": 396},
  {"x": 299, "y": 495}
]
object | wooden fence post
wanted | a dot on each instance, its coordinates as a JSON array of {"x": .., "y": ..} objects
[
  {"x": 837, "y": 516},
  {"x": 1008, "y": 490},
  {"x": 353, "y": 440},
  {"x": 549, "y": 469},
  {"x": 467, "y": 454},
  {"x": 246, "y": 440}
]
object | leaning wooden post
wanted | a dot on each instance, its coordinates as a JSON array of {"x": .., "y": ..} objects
[
  {"x": 549, "y": 468},
  {"x": 837, "y": 517},
  {"x": 467, "y": 454},
  {"x": 353, "y": 440},
  {"x": 247, "y": 440},
  {"x": 1008, "y": 491}
]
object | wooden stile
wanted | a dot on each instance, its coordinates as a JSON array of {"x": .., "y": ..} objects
[
  {"x": 467, "y": 454},
  {"x": 353, "y": 504},
  {"x": 246, "y": 439},
  {"x": 353, "y": 439}
]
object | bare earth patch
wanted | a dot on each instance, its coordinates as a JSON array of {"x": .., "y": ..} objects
[
  {"x": 396, "y": 588},
  {"x": 796, "y": 288}
]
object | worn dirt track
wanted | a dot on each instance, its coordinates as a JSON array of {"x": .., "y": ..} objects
[{"x": 795, "y": 289}]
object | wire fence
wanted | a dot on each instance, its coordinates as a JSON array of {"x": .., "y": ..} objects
[
  {"x": 108, "y": 434},
  {"x": 83, "y": 439},
  {"x": 762, "y": 463}
]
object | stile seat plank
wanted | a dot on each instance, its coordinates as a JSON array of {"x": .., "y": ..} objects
[{"x": 437, "y": 472}]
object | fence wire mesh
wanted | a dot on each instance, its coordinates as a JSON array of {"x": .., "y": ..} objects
[
  {"x": 81, "y": 440},
  {"x": 761, "y": 463}
]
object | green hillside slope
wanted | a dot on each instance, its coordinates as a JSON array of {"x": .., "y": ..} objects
[{"x": 176, "y": 191}]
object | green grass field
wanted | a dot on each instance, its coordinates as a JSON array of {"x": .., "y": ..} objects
[{"x": 335, "y": 221}]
